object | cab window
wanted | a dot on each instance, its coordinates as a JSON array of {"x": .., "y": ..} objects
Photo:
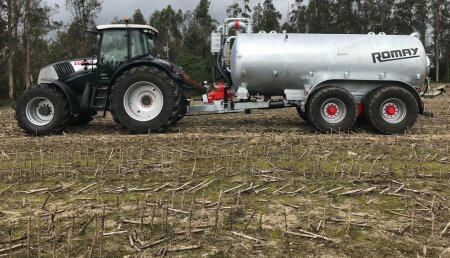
[
  {"x": 138, "y": 46},
  {"x": 113, "y": 50}
]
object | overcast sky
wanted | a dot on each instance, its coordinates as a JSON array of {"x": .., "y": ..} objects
[{"x": 122, "y": 8}]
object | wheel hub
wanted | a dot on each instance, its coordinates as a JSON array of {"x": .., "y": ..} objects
[
  {"x": 333, "y": 111},
  {"x": 146, "y": 101},
  {"x": 44, "y": 110},
  {"x": 393, "y": 111}
]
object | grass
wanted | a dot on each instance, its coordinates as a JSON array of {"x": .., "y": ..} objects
[{"x": 7, "y": 104}]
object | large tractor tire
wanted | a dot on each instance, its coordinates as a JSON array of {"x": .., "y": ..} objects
[
  {"x": 332, "y": 109},
  {"x": 391, "y": 109},
  {"x": 84, "y": 118},
  {"x": 43, "y": 110},
  {"x": 180, "y": 110},
  {"x": 143, "y": 100}
]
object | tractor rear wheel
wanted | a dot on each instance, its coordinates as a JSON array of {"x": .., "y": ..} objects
[
  {"x": 391, "y": 110},
  {"x": 177, "y": 109},
  {"x": 42, "y": 110},
  {"x": 143, "y": 100},
  {"x": 332, "y": 109},
  {"x": 180, "y": 110}
]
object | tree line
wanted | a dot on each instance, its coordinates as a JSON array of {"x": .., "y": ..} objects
[{"x": 31, "y": 38}]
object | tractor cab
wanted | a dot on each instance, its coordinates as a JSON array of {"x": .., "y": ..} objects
[{"x": 122, "y": 43}]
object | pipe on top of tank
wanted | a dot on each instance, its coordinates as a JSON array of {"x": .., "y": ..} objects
[{"x": 237, "y": 23}]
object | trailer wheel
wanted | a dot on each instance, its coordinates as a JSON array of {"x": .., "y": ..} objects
[
  {"x": 332, "y": 109},
  {"x": 142, "y": 100},
  {"x": 302, "y": 114},
  {"x": 391, "y": 110},
  {"x": 42, "y": 110}
]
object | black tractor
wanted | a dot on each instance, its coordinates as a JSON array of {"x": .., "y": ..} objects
[{"x": 143, "y": 92}]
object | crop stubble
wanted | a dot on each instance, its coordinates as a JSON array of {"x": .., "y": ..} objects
[{"x": 226, "y": 185}]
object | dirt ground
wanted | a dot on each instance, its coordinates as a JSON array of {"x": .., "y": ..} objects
[{"x": 236, "y": 185}]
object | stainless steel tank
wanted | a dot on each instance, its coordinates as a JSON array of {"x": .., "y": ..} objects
[{"x": 270, "y": 63}]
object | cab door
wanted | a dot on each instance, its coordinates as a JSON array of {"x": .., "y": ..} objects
[{"x": 113, "y": 52}]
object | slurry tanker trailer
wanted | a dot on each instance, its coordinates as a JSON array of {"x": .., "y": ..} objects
[{"x": 331, "y": 79}]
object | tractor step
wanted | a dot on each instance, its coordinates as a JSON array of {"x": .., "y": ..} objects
[{"x": 100, "y": 98}]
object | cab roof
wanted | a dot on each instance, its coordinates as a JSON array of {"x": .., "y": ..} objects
[{"x": 124, "y": 26}]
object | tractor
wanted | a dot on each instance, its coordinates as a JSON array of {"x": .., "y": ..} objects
[{"x": 143, "y": 92}]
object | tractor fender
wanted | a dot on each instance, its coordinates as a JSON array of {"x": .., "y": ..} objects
[
  {"x": 149, "y": 62},
  {"x": 70, "y": 94}
]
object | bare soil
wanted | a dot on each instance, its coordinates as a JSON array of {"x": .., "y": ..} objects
[{"x": 227, "y": 185}]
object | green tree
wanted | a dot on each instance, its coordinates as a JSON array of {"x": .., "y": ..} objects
[
  {"x": 375, "y": 16},
  {"x": 440, "y": 22},
  {"x": 240, "y": 8},
  {"x": 408, "y": 17},
  {"x": 246, "y": 9},
  {"x": 138, "y": 17},
  {"x": 117, "y": 20},
  {"x": 3, "y": 23},
  {"x": 84, "y": 13},
  {"x": 37, "y": 24},
  {"x": 234, "y": 10},
  {"x": 344, "y": 15},
  {"x": 13, "y": 16},
  {"x": 266, "y": 17},
  {"x": 422, "y": 18},
  {"x": 297, "y": 17},
  {"x": 257, "y": 17},
  {"x": 319, "y": 17},
  {"x": 3, "y": 52},
  {"x": 169, "y": 24},
  {"x": 198, "y": 26}
]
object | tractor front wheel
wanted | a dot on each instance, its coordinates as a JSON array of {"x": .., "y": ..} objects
[
  {"x": 42, "y": 110},
  {"x": 143, "y": 99}
]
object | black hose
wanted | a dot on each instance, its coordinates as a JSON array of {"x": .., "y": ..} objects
[
  {"x": 427, "y": 88},
  {"x": 216, "y": 65}
]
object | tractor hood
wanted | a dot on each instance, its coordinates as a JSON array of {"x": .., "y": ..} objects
[{"x": 64, "y": 69}]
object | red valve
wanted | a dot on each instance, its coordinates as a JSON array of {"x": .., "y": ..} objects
[{"x": 219, "y": 93}]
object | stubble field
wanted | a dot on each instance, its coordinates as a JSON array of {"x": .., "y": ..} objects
[{"x": 227, "y": 185}]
